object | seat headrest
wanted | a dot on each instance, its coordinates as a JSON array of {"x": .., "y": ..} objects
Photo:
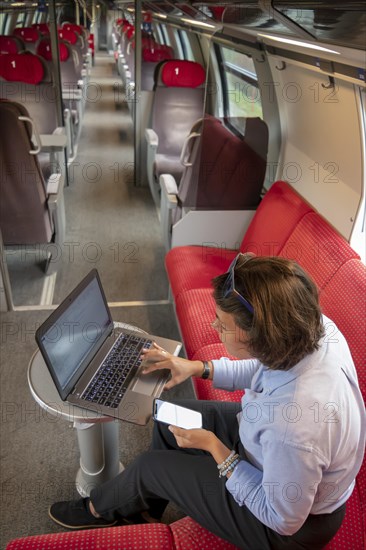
[
  {"x": 42, "y": 28},
  {"x": 28, "y": 34},
  {"x": 8, "y": 44},
  {"x": 73, "y": 27},
  {"x": 45, "y": 51},
  {"x": 182, "y": 74},
  {"x": 68, "y": 35},
  {"x": 156, "y": 53},
  {"x": 23, "y": 67}
]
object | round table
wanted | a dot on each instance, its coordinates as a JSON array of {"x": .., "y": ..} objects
[{"x": 98, "y": 436}]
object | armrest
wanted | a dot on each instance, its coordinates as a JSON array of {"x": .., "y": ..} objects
[
  {"x": 168, "y": 203},
  {"x": 169, "y": 190},
  {"x": 53, "y": 184},
  {"x": 53, "y": 142},
  {"x": 209, "y": 227},
  {"x": 55, "y": 191},
  {"x": 152, "y": 138}
]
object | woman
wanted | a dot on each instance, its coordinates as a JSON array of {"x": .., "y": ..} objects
[{"x": 275, "y": 470}]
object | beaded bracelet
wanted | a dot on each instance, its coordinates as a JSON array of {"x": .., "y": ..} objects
[
  {"x": 224, "y": 466},
  {"x": 230, "y": 468},
  {"x": 223, "y": 463}
]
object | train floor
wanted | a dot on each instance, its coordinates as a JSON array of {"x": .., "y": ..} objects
[{"x": 111, "y": 225}]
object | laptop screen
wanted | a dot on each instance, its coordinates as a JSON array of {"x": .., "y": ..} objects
[{"x": 74, "y": 332}]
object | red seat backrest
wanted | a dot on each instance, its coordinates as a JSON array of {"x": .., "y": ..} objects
[
  {"x": 182, "y": 74},
  {"x": 9, "y": 44},
  {"x": 68, "y": 35},
  {"x": 275, "y": 219},
  {"x": 28, "y": 34},
  {"x": 73, "y": 27},
  {"x": 24, "y": 67},
  {"x": 45, "y": 51},
  {"x": 42, "y": 28}
]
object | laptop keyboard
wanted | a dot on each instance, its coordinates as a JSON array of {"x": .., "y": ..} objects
[{"x": 110, "y": 382}]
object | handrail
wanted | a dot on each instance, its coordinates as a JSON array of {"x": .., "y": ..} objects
[
  {"x": 34, "y": 133},
  {"x": 184, "y": 156}
]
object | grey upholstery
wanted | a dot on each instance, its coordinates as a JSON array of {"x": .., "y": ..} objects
[
  {"x": 30, "y": 214},
  {"x": 175, "y": 108}
]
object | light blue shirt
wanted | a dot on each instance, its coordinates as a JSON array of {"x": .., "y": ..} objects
[{"x": 303, "y": 431}]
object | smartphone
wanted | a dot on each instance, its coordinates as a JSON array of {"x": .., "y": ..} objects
[{"x": 169, "y": 413}]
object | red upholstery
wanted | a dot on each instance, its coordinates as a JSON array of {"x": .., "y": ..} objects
[
  {"x": 42, "y": 28},
  {"x": 156, "y": 53},
  {"x": 317, "y": 247},
  {"x": 68, "y": 35},
  {"x": 342, "y": 299},
  {"x": 28, "y": 34},
  {"x": 184, "y": 74},
  {"x": 44, "y": 50},
  {"x": 188, "y": 535},
  {"x": 193, "y": 267},
  {"x": 196, "y": 311},
  {"x": 282, "y": 210},
  {"x": 130, "y": 537},
  {"x": 24, "y": 67},
  {"x": 9, "y": 44},
  {"x": 91, "y": 42},
  {"x": 73, "y": 28}
]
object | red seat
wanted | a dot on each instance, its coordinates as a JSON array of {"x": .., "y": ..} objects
[
  {"x": 276, "y": 217},
  {"x": 24, "y": 67}
]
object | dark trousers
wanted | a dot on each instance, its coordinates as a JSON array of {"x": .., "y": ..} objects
[{"x": 189, "y": 478}]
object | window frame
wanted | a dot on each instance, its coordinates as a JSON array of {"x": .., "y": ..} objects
[{"x": 242, "y": 74}]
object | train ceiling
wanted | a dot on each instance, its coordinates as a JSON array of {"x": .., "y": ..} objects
[{"x": 337, "y": 22}]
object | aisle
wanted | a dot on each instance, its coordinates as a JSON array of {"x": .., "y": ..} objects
[{"x": 110, "y": 224}]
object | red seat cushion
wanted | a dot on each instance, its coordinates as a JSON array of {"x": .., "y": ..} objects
[
  {"x": 189, "y": 535},
  {"x": 182, "y": 74},
  {"x": 352, "y": 533},
  {"x": 274, "y": 221},
  {"x": 131, "y": 537}
]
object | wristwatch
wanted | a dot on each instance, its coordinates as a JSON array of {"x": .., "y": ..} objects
[{"x": 206, "y": 370}]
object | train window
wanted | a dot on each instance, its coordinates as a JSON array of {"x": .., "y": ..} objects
[
  {"x": 179, "y": 46},
  {"x": 3, "y": 17},
  {"x": 21, "y": 20},
  {"x": 241, "y": 93},
  {"x": 165, "y": 34},
  {"x": 159, "y": 34},
  {"x": 186, "y": 45}
]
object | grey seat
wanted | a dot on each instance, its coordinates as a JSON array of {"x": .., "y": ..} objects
[
  {"x": 178, "y": 102},
  {"x": 32, "y": 209},
  {"x": 27, "y": 80}
]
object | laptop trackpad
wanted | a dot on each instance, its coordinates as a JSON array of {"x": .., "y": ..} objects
[{"x": 146, "y": 384}]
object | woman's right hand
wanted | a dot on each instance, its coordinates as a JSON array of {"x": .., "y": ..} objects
[{"x": 156, "y": 358}]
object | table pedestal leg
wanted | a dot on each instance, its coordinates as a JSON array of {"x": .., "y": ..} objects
[{"x": 99, "y": 455}]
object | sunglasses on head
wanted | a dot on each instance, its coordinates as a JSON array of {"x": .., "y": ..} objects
[{"x": 229, "y": 287}]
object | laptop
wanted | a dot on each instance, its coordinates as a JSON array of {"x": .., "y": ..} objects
[{"x": 96, "y": 365}]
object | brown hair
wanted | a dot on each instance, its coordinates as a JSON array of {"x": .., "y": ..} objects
[{"x": 286, "y": 324}]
